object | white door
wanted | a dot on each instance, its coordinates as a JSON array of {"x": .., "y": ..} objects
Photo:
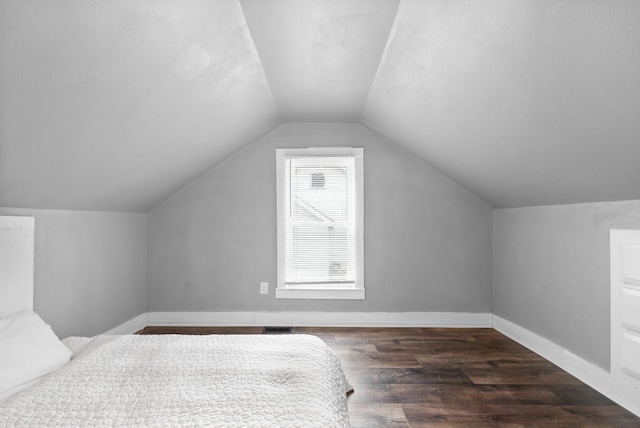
[
  {"x": 16, "y": 263},
  {"x": 625, "y": 305}
]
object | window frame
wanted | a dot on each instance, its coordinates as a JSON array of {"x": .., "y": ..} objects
[{"x": 308, "y": 291}]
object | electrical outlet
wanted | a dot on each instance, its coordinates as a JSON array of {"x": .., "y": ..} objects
[{"x": 264, "y": 288}]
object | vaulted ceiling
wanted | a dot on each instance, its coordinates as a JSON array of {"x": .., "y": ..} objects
[{"x": 115, "y": 104}]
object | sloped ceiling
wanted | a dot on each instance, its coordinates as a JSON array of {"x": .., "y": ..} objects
[
  {"x": 522, "y": 102},
  {"x": 115, "y": 104}
]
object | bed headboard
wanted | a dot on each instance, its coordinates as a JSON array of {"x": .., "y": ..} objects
[{"x": 16, "y": 261}]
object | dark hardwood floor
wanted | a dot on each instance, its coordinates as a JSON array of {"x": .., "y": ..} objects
[{"x": 424, "y": 377}]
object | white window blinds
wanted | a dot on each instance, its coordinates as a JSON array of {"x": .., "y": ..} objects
[{"x": 318, "y": 220}]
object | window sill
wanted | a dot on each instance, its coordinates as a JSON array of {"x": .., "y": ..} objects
[{"x": 328, "y": 294}]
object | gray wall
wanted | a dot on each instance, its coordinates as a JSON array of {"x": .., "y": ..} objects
[
  {"x": 551, "y": 271},
  {"x": 427, "y": 240},
  {"x": 90, "y": 269}
]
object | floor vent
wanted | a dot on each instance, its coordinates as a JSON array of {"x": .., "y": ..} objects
[{"x": 276, "y": 330}]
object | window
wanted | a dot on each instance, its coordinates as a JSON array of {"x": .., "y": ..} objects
[{"x": 320, "y": 223}]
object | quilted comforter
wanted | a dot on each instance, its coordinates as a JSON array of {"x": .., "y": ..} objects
[{"x": 174, "y": 380}]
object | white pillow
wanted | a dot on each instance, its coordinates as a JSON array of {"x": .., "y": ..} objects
[{"x": 29, "y": 349}]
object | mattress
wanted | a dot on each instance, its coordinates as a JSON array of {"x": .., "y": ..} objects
[{"x": 179, "y": 380}]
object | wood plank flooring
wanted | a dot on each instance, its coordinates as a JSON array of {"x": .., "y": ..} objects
[{"x": 437, "y": 377}]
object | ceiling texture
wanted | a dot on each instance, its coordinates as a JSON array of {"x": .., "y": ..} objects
[{"x": 113, "y": 105}]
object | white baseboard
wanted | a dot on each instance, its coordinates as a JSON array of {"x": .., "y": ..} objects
[
  {"x": 322, "y": 319},
  {"x": 131, "y": 326},
  {"x": 601, "y": 380}
]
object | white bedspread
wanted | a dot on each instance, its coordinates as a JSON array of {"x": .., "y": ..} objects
[{"x": 174, "y": 380}]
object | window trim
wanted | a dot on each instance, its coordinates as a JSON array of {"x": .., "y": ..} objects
[{"x": 357, "y": 292}]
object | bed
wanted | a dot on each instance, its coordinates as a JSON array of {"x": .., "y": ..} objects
[{"x": 172, "y": 380}]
